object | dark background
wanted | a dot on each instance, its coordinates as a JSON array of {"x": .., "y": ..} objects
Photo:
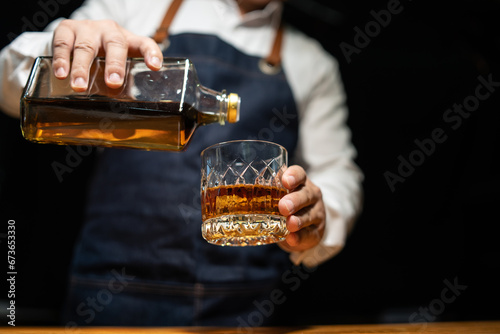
[{"x": 438, "y": 225}]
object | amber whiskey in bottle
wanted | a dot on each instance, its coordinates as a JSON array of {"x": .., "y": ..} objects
[{"x": 153, "y": 110}]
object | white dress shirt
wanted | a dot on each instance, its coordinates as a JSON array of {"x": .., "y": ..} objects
[{"x": 324, "y": 147}]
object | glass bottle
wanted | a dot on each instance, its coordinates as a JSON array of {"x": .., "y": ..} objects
[{"x": 153, "y": 110}]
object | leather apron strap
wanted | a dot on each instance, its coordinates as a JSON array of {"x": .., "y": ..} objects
[
  {"x": 161, "y": 33},
  {"x": 269, "y": 65},
  {"x": 272, "y": 63}
]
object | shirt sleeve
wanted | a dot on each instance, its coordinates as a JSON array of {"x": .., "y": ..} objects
[
  {"x": 17, "y": 58},
  {"x": 325, "y": 149}
]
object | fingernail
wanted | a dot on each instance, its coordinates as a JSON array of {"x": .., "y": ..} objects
[
  {"x": 115, "y": 78},
  {"x": 155, "y": 61},
  {"x": 291, "y": 181},
  {"x": 298, "y": 222},
  {"x": 289, "y": 205},
  {"x": 79, "y": 82},
  {"x": 60, "y": 72}
]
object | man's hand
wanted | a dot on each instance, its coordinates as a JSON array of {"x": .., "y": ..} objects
[
  {"x": 305, "y": 211},
  {"x": 85, "y": 40}
]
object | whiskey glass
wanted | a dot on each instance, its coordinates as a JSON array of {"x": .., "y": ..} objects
[{"x": 240, "y": 190}]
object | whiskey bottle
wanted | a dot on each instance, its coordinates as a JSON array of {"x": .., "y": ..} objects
[{"x": 153, "y": 110}]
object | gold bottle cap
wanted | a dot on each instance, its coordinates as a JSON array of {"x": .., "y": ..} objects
[{"x": 233, "y": 108}]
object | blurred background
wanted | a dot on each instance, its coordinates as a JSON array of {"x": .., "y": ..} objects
[{"x": 429, "y": 219}]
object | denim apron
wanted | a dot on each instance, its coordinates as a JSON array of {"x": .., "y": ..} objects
[{"x": 140, "y": 259}]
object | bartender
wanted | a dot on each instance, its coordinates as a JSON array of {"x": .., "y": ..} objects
[{"x": 140, "y": 258}]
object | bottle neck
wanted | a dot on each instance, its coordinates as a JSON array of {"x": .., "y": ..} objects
[
  {"x": 217, "y": 107},
  {"x": 212, "y": 106}
]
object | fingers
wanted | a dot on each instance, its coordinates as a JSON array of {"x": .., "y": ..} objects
[
  {"x": 304, "y": 209},
  {"x": 145, "y": 47},
  {"x": 84, "y": 40},
  {"x": 293, "y": 177},
  {"x": 85, "y": 49},
  {"x": 311, "y": 215},
  {"x": 306, "y": 227},
  {"x": 115, "y": 46},
  {"x": 303, "y": 192},
  {"x": 62, "y": 46},
  {"x": 305, "y": 239},
  {"x": 121, "y": 45}
]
